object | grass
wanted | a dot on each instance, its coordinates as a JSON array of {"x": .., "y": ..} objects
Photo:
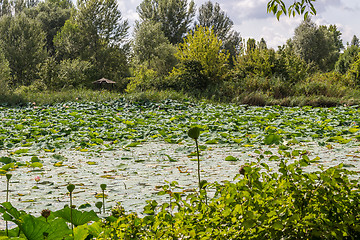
[{"x": 258, "y": 97}]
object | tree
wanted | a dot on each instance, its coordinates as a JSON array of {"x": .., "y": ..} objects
[
  {"x": 355, "y": 41},
  {"x": 96, "y": 33},
  {"x": 4, "y": 72},
  {"x": 24, "y": 48},
  {"x": 289, "y": 65},
  {"x": 303, "y": 7},
  {"x": 152, "y": 48},
  {"x": 52, "y": 15},
  {"x": 316, "y": 45},
  {"x": 5, "y": 7},
  {"x": 250, "y": 45},
  {"x": 354, "y": 70},
  {"x": 262, "y": 44},
  {"x": 347, "y": 58},
  {"x": 212, "y": 17},
  {"x": 175, "y": 16},
  {"x": 202, "y": 50}
]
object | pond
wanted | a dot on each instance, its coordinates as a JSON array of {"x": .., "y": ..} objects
[{"x": 136, "y": 148}]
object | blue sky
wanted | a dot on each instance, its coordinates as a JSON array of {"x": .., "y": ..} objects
[{"x": 251, "y": 19}]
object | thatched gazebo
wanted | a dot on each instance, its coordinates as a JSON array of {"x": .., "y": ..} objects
[{"x": 104, "y": 83}]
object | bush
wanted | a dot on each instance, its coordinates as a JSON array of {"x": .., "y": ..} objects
[
  {"x": 145, "y": 79},
  {"x": 330, "y": 84},
  {"x": 191, "y": 79},
  {"x": 66, "y": 73}
]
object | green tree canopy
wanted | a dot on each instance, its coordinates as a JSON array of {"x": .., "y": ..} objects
[
  {"x": 52, "y": 15},
  {"x": 303, "y": 7},
  {"x": 347, "y": 58},
  {"x": 4, "y": 71},
  {"x": 355, "y": 41},
  {"x": 317, "y": 45},
  {"x": 204, "y": 47},
  {"x": 5, "y": 7},
  {"x": 152, "y": 48},
  {"x": 96, "y": 33},
  {"x": 212, "y": 17},
  {"x": 24, "y": 43},
  {"x": 175, "y": 16}
]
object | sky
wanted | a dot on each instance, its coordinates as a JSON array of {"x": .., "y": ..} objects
[{"x": 251, "y": 19}]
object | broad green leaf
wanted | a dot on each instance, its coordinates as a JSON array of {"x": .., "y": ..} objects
[
  {"x": 79, "y": 217},
  {"x": 231, "y": 159},
  {"x": 272, "y": 139}
]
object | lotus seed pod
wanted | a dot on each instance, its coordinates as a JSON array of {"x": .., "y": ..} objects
[
  {"x": 194, "y": 132},
  {"x": 45, "y": 213},
  {"x": 8, "y": 176},
  {"x": 103, "y": 186},
  {"x": 71, "y": 187},
  {"x": 98, "y": 204}
]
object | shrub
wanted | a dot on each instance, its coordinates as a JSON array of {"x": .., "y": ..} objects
[
  {"x": 191, "y": 78},
  {"x": 145, "y": 79},
  {"x": 330, "y": 84}
]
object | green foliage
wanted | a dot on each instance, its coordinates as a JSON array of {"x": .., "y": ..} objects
[
  {"x": 52, "y": 15},
  {"x": 290, "y": 66},
  {"x": 204, "y": 47},
  {"x": 347, "y": 58},
  {"x": 174, "y": 16},
  {"x": 191, "y": 79},
  {"x": 303, "y": 7},
  {"x": 5, "y": 7},
  {"x": 4, "y": 73},
  {"x": 354, "y": 70},
  {"x": 144, "y": 79},
  {"x": 24, "y": 48},
  {"x": 67, "y": 73},
  {"x": 211, "y": 16},
  {"x": 34, "y": 228},
  {"x": 97, "y": 34},
  {"x": 152, "y": 48},
  {"x": 78, "y": 217},
  {"x": 256, "y": 62},
  {"x": 320, "y": 45},
  {"x": 325, "y": 84},
  {"x": 355, "y": 41},
  {"x": 260, "y": 204}
]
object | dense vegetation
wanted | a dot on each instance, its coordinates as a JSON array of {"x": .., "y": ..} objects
[{"x": 55, "y": 46}]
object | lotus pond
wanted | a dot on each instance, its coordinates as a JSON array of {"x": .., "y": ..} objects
[{"x": 135, "y": 147}]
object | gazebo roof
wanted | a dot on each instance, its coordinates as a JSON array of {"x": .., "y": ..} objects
[{"x": 104, "y": 80}]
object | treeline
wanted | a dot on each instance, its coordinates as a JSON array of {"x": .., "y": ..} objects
[{"x": 54, "y": 45}]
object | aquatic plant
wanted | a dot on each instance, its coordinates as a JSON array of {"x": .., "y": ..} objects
[{"x": 194, "y": 133}]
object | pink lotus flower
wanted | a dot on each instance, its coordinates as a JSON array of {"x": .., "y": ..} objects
[{"x": 37, "y": 179}]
